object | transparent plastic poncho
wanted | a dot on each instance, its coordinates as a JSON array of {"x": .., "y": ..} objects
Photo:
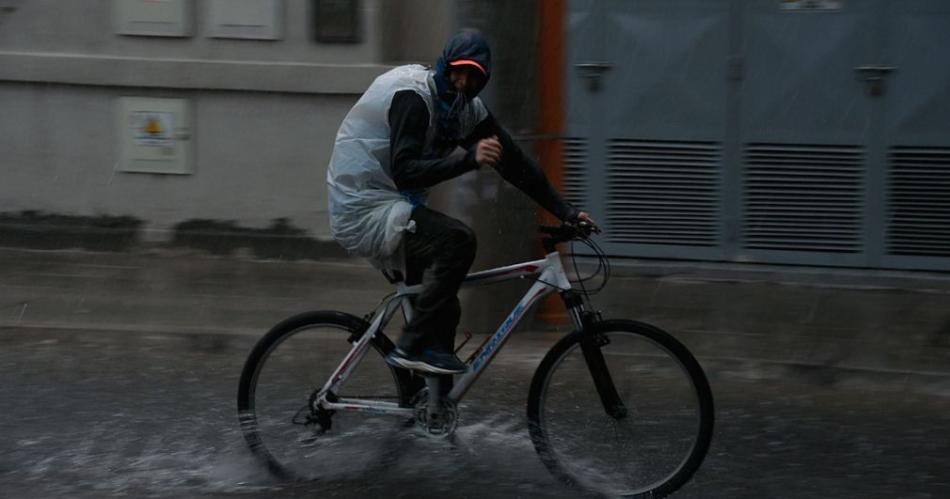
[{"x": 368, "y": 214}]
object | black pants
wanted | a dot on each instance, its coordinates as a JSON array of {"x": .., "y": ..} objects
[{"x": 438, "y": 255}]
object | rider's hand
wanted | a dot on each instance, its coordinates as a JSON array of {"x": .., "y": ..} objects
[
  {"x": 488, "y": 152},
  {"x": 585, "y": 217}
]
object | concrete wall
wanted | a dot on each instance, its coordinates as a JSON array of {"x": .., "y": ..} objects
[
  {"x": 87, "y": 27},
  {"x": 258, "y": 156},
  {"x": 416, "y": 30},
  {"x": 264, "y": 113}
]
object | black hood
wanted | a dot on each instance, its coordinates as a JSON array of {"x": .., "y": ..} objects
[{"x": 469, "y": 45}]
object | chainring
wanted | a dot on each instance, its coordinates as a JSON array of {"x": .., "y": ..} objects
[{"x": 447, "y": 416}]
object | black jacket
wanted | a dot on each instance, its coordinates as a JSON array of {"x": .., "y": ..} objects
[{"x": 408, "y": 122}]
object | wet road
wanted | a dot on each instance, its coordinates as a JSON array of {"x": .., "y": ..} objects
[{"x": 113, "y": 413}]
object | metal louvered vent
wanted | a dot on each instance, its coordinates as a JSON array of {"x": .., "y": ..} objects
[
  {"x": 663, "y": 192},
  {"x": 575, "y": 171},
  {"x": 919, "y": 202},
  {"x": 803, "y": 197}
]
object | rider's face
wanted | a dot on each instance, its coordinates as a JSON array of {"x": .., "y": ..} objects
[{"x": 466, "y": 79}]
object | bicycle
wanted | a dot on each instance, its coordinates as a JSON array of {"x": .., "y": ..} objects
[{"x": 624, "y": 380}]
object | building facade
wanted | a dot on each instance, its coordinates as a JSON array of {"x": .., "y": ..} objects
[
  {"x": 173, "y": 112},
  {"x": 809, "y": 132}
]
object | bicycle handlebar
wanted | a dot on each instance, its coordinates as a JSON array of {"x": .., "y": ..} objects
[{"x": 566, "y": 232}]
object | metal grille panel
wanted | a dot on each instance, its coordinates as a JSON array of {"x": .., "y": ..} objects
[
  {"x": 575, "y": 171},
  {"x": 803, "y": 197},
  {"x": 919, "y": 202},
  {"x": 663, "y": 192}
]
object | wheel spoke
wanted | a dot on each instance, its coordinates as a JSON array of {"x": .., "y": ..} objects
[
  {"x": 278, "y": 386},
  {"x": 622, "y": 409}
]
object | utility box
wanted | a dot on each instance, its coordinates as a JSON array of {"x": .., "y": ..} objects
[
  {"x": 153, "y": 17},
  {"x": 248, "y": 19},
  {"x": 336, "y": 21},
  {"x": 154, "y": 135}
]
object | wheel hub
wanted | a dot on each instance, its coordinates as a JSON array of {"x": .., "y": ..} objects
[{"x": 314, "y": 414}]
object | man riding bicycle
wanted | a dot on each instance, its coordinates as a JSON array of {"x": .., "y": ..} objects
[{"x": 402, "y": 137}]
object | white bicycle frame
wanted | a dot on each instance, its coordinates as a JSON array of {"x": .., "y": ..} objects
[{"x": 552, "y": 277}]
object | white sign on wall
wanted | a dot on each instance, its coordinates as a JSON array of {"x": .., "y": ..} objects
[
  {"x": 152, "y": 17},
  {"x": 154, "y": 135},
  {"x": 249, "y": 19}
]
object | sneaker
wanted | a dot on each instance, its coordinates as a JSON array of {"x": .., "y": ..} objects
[{"x": 429, "y": 361}]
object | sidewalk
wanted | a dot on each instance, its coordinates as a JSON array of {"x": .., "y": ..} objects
[{"x": 768, "y": 320}]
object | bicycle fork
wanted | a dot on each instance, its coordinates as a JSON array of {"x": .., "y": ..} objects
[{"x": 591, "y": 344}]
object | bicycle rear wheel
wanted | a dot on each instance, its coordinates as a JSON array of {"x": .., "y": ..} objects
[
  {"x": 280, "y": 380},
  {"x": 622, "y": 409}
]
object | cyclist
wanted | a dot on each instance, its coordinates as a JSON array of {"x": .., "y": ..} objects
[{"x": 402, "y": 137}]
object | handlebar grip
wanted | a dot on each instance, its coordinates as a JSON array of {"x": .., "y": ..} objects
[
  {"x": 588, "y": 228},
  {"x": 581, "y": 228}
]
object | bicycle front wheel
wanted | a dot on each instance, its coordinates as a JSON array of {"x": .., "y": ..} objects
[
  {"x": 621, "y": 409},
  {"x": 280, "y": 381}
]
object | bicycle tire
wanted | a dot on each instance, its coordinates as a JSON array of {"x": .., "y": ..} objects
[
  {"x": 349, "y": 328},
  {"x": 563, "y": 355}
]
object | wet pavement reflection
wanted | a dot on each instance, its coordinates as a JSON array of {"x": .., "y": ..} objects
[{"x": 95, "y": 414}]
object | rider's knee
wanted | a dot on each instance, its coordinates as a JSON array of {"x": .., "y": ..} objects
[{"x": 463, "y": 240}]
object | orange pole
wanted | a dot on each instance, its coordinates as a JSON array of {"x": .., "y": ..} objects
[{"x": 551, "y": 120}]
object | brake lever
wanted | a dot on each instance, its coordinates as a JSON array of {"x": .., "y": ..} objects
[{"x": 587, "y": 227}]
